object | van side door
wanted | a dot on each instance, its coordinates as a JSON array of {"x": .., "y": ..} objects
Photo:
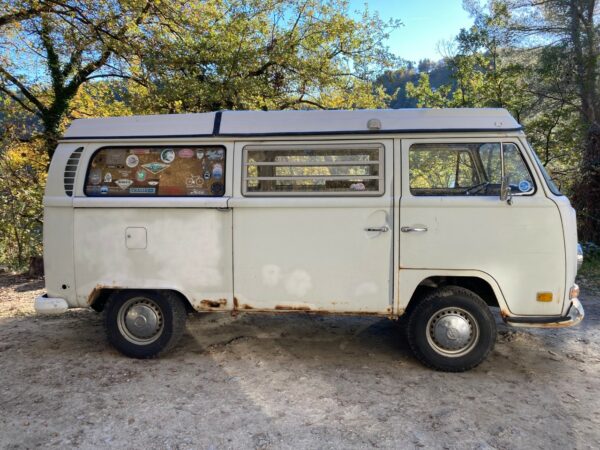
[{"x": 313, "y": 226}]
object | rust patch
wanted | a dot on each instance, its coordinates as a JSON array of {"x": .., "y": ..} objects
[
  {"x": 504, "y": 313},
  {"x": 97, "y": 291},
  {"x": 292, "y": 308},
  {"x": 220, "y": 303},
  {"x": 246, "y": 307},
  {"x": 235, "y": 303}
]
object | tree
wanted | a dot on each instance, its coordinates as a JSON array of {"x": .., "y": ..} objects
[
  {"x": 75, "y": 41},
  {"x": 265, "y": 54}
]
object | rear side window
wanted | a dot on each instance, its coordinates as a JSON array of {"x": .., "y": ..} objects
[
  {"x": 312, "y": 170},
  {"x": 467, "y": 169},
  {"x": 196, "y": 171}
]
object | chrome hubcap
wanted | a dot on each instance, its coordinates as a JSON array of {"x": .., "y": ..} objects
[
  {"x": 140, "y": 320},
  {"x": 452, "y": 332}
]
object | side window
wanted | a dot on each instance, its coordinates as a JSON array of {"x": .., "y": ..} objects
[
  {"x": 519, "y": 177},
  {"x": 313, "y": 170},
  {"x": 196, "y": 171},
  {"x": 466, "y": 169}
]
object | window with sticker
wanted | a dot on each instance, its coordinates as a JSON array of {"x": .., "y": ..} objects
[
  {"x": 165, "y": 171},
  {"x": 467, "y": 169}
]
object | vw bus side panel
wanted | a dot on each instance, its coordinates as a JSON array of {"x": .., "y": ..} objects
[{"x": 175, "y": 243}]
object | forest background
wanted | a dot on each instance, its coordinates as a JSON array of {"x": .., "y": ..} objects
[{"x": 68, "y": 59}]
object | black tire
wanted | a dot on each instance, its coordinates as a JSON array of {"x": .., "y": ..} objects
[
  {"x": 473, "y": 315},
  {"x": 166, "y": 308}
]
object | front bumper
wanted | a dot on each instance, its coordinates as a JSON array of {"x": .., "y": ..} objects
[
  {"x": 50, "y": 305},
  {"x": 574, "y": 315}
]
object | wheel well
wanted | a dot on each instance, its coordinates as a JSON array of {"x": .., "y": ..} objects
[
  {"x": 100, "y": 296},
  {"x": 478, "y": 285}
]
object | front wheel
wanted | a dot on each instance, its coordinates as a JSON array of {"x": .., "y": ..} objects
[
  {"x": 451, "y": 329},
  {"x": 144, "y": 324}
]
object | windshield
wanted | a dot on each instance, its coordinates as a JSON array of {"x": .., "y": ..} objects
[{"x": 553, "y": 187}]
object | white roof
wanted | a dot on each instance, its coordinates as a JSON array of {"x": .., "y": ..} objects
[{"x": 292, "y": 122}]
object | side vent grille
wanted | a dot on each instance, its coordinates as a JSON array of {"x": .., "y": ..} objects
[{"x": 71, "y": 171}]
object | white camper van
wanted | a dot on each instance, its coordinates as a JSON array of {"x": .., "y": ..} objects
[{"x": 437, "y": 215}]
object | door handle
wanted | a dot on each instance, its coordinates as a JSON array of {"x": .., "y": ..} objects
[
  {"x": 411, "y": 229},
  {"x": 383, "y": 229}
]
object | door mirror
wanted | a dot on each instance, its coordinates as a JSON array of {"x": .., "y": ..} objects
[{"x": 505, "y": 191}]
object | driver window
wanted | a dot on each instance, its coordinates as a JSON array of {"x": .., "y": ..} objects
[{"x": 466, "y": 169}]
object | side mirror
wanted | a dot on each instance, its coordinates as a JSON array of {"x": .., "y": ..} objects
[{"x": 505, "y": 191}]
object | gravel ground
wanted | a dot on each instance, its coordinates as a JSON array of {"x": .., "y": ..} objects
[{"x": 288, "y": 381}]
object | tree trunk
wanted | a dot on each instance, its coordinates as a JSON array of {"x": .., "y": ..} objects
[{"x": 587, "y": 189}]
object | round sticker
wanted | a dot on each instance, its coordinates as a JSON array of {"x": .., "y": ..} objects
[
  {"x": 167, "y": 155},
  {"x": 132, "y": 161},
  {"x": 524, "y": 186}
]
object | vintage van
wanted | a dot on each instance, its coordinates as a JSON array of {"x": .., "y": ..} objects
[{"x": 436, "y": 215}]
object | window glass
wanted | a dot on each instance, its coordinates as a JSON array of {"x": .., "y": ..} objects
[
  {"x": 466, "y": 169},
  {"x": 318, "y": 171},
  {"x": 157, "y": 171}
]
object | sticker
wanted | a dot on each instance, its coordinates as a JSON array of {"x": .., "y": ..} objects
[
  {"x": 194, "y": 181},
  {"x": 197, "y": 192},
  {"x": 125, "y": 173},
  {"x": 156, "y": 167},
  {"x": 153, "y": 183},
  {"x": 115, "y": 157},
  {"x": 142, "y": 190},
  {"x": 140, "y": 151},
  {"x": 217, "y": 171},
  {"x": 215, "y": 154},
  {"x": 357, "y": 187},
  {"x": 207, "y": 175},
  {"x": 132, "y": 161},
  {"x": 95, "y": 176},
  {"x": 104, "y": 190},
  {"x": 217, "y": 189},
  {"x": 200, "y": 154},
  {"x": 108, "y": 177},
  {"x": 186, "y": 153},
  {"x": 524, "y": 185},
  {"x": 167, "y": 155},
  {"x": 92, "y": 189},
  {"x": 140, "y": 175},
  {"x": 123, "y": 183}
]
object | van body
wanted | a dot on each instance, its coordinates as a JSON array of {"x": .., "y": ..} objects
[{"x": 433, "y": 214}]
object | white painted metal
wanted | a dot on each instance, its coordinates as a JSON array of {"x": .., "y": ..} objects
[
  {"x": 49, "y": 305},
  {"x": 282, "y": 122},
  {"x": 521, "y": 246},
  {"x": 292, "y": 255},
  {"x": 306, "y": 252},
  {"x": 157, "y": 125}
]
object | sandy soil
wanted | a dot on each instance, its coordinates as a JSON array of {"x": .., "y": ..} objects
[{"x": 288, "y": 381}]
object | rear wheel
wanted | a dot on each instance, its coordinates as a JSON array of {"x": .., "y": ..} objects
[
  {"x": 144, "y": 324},
  {"x": 452, "y": 329}
]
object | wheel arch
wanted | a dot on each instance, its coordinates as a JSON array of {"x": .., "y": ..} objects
[
  {"x": 480, "y": 283},
  {"x": 100, "y": 295}
]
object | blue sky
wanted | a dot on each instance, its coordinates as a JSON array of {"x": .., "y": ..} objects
[{"x": 426, "y": 23}]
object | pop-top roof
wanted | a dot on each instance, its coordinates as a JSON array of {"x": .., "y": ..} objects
[{"x": 291, "y": 122}]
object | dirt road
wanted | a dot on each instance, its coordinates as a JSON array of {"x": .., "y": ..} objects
[{"x": 288, "y": 381}]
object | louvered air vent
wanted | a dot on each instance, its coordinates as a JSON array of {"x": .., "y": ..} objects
[{"x": 71, "y": 170}]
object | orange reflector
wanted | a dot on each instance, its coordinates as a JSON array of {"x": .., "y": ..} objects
[{"x": 544, "y": 296}]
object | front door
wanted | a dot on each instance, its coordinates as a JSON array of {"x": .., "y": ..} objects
[
  {"x": 452, "y": 219},
  {"x": 312, "y": 226}
]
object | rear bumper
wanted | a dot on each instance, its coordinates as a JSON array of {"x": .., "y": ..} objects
[
  {"x": 574, "y": 315},
  {"x": 50, "y": 305}
]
